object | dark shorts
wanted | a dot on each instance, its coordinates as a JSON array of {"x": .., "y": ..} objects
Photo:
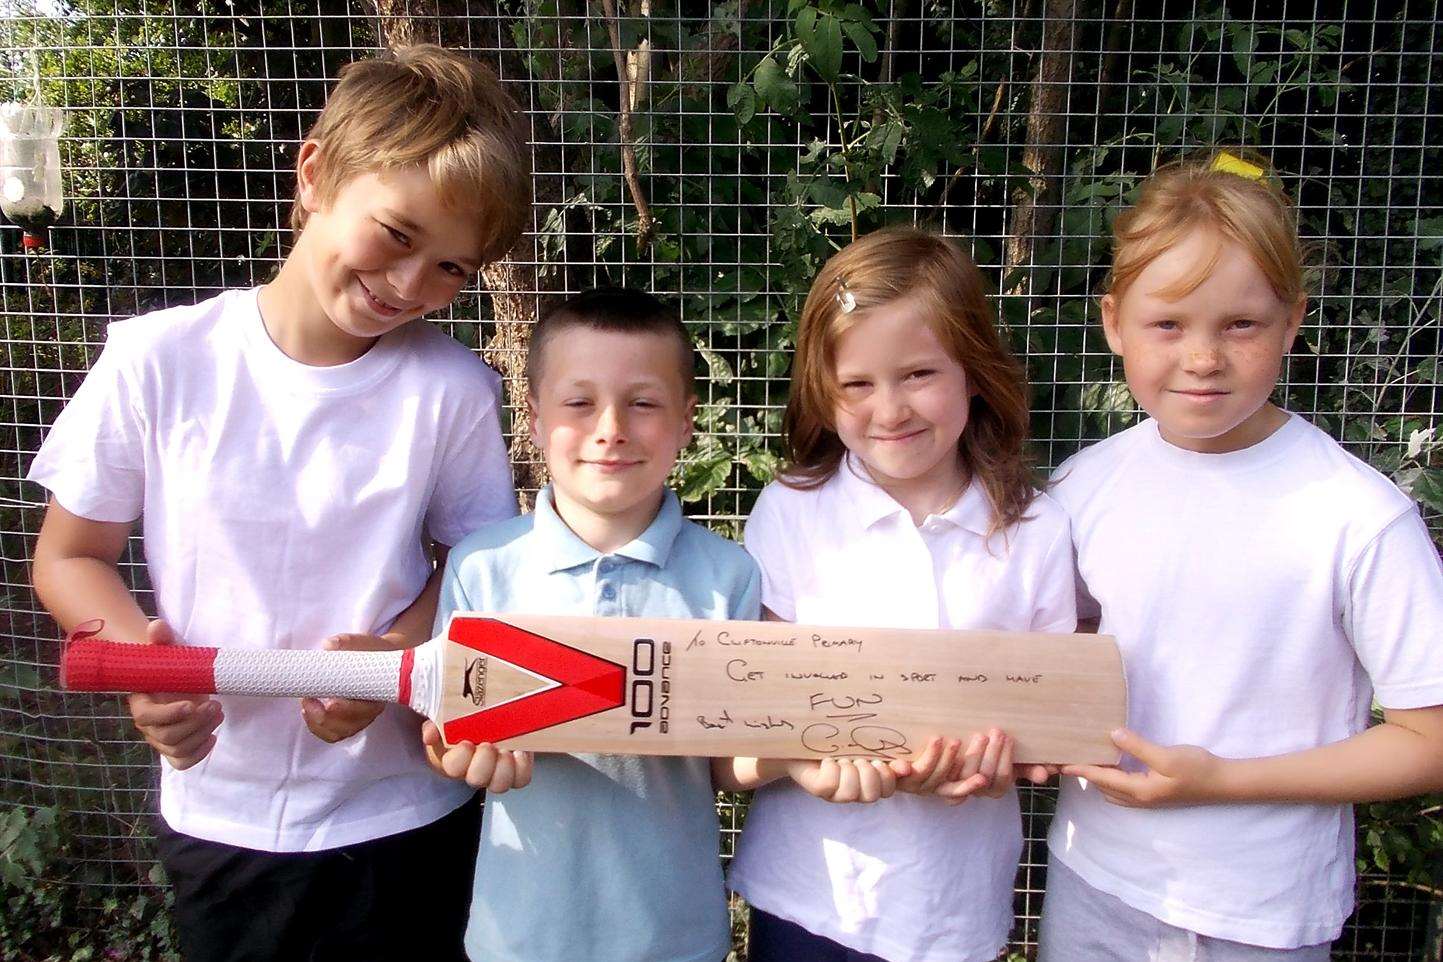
[
  {"x": 775, "y": 939},
  {"x": 405, "y": 896}
]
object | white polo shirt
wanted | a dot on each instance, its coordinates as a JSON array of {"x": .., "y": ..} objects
[
  {"x": 283, "y": 503},
  {"x": 1261, "y": 598},
  {"x": 907, "y": 878}
]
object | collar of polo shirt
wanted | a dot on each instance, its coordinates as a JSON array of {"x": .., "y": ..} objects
[
  {"x": 972, "y": 511},
  {"x": 564, "y": 550}
]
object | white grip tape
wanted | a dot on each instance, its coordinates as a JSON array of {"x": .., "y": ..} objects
[
  {"x": 369, "y": 675},
  {"x": 427, "y": 671}
]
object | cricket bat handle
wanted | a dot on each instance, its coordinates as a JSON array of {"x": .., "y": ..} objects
[{"x": 94, "y": 665}]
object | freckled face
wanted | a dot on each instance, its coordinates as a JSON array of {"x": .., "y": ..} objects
[
  {"x": 384, "y": 250},
  {"x": 1204, "y": 365}
]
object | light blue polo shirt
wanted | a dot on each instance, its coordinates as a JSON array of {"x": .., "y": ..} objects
[{"x": 604, "y": 858}]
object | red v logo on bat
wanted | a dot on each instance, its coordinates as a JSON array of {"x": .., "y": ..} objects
[{"x": 584, "y": 683}]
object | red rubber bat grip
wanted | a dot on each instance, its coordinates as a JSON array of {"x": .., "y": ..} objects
[{"x": 91, "y": 665}]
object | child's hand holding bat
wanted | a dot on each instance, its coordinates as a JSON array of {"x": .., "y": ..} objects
[
  {"x": 335, "y": 719},
  {"x": 180, "y": 727},
  {"x": 481, "y": 766}
]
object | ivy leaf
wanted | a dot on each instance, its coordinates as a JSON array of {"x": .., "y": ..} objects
[
  {"x": 774, "y": 86},
  {"x": 1430, "y": 233},
  {"x": 1245, "y": 41},
  {"x": 1298, "y": 39},
  {"x": 862, "y": 37},
  {"x": 856, "y": 13},
  {"x": 1261, "y": 74},
  {"x": 761, "y": 464},
  {"x": 1427, "y": 487},
  {"x": 826, "y": 193},
  {"x": 813, "y": 152},
  {"x": 821, "y": 37},
  {"x": 717, "y": 368},
  {"x": 866, "y": 200},
  {"x": 835, "y": 216},
  {"x": 742, "y": 99},
  {"x": 889, "y": 139},
  {"x": 708, "y": 473},
  {"x": 806, "y": 25}
]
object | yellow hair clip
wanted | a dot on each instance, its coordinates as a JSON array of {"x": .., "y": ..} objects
[{"x": 1231, "y": 164}]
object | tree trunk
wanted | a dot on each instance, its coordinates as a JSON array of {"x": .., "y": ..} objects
[
  {"x": 517, "y": 306},
  {"x": 1035, "y": 209},
  {"x": 404, "y": 22}
]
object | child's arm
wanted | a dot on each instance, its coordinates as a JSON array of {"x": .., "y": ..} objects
[
  {"x": 1401, "y": 757},
  {"x": 76, "y": 578},
  {"x": 334, "y": 719}
]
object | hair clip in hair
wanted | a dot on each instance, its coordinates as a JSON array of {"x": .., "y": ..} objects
[
  {"x": 1232, "y": 164},
  {"x": 846, "y": 300}
]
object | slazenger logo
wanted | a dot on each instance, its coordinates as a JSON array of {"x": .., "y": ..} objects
[
  {"x": 473, "y": 684},
  {"x": 650, "y": 687}
]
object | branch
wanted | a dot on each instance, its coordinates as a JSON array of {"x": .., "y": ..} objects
[
  {"x": 981, "y": 138},
  {"x": 645, "y": 223},
  {"x": 1121, "y": 19},
  {"x": 1431, "y": 891},
  {"x": 889, "y": 53},
  {"x": 991, "y": 121},
  {"x": 1036, "y": 209}
]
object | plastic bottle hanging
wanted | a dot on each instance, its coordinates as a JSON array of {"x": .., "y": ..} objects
[{"x": 30, "y": 189}]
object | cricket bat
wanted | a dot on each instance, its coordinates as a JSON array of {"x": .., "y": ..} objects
[{"x": 643, "y": 686}]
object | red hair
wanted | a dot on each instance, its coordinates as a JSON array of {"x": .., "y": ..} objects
[{"x": 881, "y": 268}]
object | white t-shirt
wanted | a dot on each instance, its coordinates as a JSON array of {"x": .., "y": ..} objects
[
  {"x": 1260, "y": 598},
  {"x": 283, "y": 503},
  {"x": 907, "y": 878}
]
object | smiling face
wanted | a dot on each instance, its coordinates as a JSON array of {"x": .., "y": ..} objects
[
  {"x": 1203, "y": 364},
  {"x": 384, "y": 250},
  {"x": 611, "y": 412},
  {"x": 902, "y": 404}
]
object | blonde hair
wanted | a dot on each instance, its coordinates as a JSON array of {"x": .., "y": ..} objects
[
  {"x": 425, "y": 105},
  {"x": 890, "y": 265},
  {"x": 1196, "y": 193}
]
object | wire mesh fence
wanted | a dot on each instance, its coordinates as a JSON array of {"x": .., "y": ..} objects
[{"x": 715, "y": 155}]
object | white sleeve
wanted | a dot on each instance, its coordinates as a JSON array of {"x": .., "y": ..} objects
[
  {"x": 767, "y": 540},
  {"x": 1086, "y": 607},
  {"x": 93, "y": 458},
  {"x": 1393, "y": 614},
  {"x": 1057, "y": 587},
  {"x": 474, "y": 487}
]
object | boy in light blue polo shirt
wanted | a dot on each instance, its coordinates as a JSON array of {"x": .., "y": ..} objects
[{"x": 606, "y": 858}]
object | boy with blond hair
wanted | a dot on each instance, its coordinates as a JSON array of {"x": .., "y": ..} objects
[
  {"x": 604, "y": 857},
  {"x": 300, "y": 453}
]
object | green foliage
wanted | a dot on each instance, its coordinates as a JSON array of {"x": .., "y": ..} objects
[
  {"x": 46, "y": 916},
  {"x": 767, "y": 135},
  {"x": 1404, "y": 839}
]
